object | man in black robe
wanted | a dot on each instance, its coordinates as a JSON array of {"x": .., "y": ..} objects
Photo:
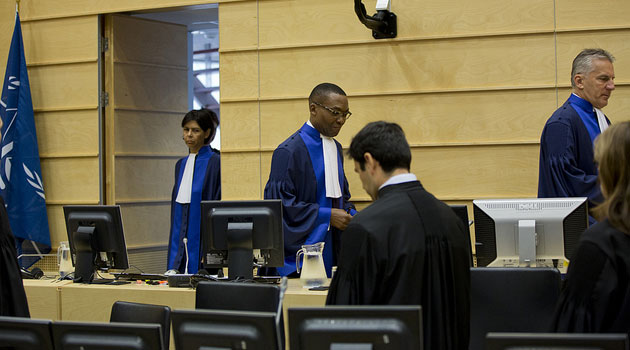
[
  {"x": 566, "y": 146},
  {"x": 407, "y": 247}
]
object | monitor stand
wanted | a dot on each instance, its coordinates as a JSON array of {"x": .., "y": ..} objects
[{"x": 527, "y": 243}]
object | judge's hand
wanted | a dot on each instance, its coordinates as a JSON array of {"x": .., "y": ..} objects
[{"x": 339, "y": 218}]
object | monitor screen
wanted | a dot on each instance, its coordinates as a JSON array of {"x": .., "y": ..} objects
[
  {"x": 222, "y": 329},
  {"x": 356, "y": 327},
  {"x": 96, "y": 239},
  {"x": 564, "y": 341},
  {"x": 528, "y": 232},
  {"x": 242, "y": 234},
  {"x": 99, "y": 336},
  {"x": 21, "y": 333}
]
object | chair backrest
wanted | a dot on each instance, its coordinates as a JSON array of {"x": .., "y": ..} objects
[
  {"x": 124, "y": 311},
  {"x": 565, "y": 341},
  {"x": 239, "y": 296},
  {"x": 511, "y": 300},
  {"x": 22, "y": 333}
]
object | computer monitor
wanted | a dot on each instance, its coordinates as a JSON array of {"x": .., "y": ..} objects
[
  {"x": 96, "y": 239},
  {"x": 239, "y": 234},
  {"x": 528, "y": 232},
  {"x": 564, "y": 341},
  {"x": 98, "y": 336},
  {"x": 223, "y": 329},
  {"x": 356, "y": 327},
  {"x": 21, "y": 333}
]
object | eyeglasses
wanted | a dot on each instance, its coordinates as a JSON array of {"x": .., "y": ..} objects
[{"x": 346, "y": 115}]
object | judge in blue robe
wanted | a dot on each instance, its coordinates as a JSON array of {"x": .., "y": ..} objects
[
  {"x": 197, "y": 178},
  {"x": 307, "y": 175},
  {"x": 566, "y": 165}
]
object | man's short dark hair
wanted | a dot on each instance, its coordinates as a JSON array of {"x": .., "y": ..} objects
[
  {"x": 206, "y": 119},
  {"x": 323, "y": 90},
  {"x": 386, "y": 142}
]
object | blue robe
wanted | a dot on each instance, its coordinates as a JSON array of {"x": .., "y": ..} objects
[
  {"x": 186, "y": 218},
  {"x": 297, "y": 178},
  {"x": 567, "y": 168}
]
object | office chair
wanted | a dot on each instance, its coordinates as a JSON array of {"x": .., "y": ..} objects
[
  {"x": 124, "y": 311},
  {"x": 238, "y": 296},
  {"x": 511, "y": 300}
]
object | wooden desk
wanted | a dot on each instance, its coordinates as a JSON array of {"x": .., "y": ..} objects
[
  {"x": 92, "y": 302},
  {"x": 44, "y": 298}
]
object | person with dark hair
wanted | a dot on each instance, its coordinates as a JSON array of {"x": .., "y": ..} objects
[
  {"x": 596, "y": 291},
  {"x": 566, "y": 146},
  {"x": 197, "y": 178},
  {"x": 307, "y": 175},
  {"x": 407, "y": 247},
  {"x": 12, "y": 296}
]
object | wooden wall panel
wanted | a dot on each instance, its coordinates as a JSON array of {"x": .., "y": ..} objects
[
  {"x": 240, "y": 120},
  {"x": 57, "y": 223},
  {"x": 457, "y": 173},
  {"x": 145, "y": 87},
  {"x": 239, "y": 26},
  {"x": 332, "y": 21},
  {"x": 582, "y": 14},
  {"x": 67, "y": 133},
  {"x": 147, "y": 224},
  {"x": 39, "y": 9},
  {"x": 63, "y": 87},
  {"x": 61, "y": 40},
  {"x": 71, "y": 180},
  {"x": 7, "y": 23},
  {"x": 147, "y": 133},
  {"x": 241, "y": 176},
  {"x": 239, "y": 75},
  {"x": 617, "y": 42},
  {"x": 436, "y": 118},
  {"x": 157, "y": 42},
  {"x": 144, "y": 179},
  {"x": 412, "y": 66}
]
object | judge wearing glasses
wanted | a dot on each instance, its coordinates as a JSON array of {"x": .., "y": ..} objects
[{"x": 307, "y": 175}]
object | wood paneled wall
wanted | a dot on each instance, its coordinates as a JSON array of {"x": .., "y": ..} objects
[{"x": 472, "y": 84}]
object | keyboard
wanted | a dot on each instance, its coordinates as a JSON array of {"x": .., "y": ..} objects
[{"x": 131, "y": 276}]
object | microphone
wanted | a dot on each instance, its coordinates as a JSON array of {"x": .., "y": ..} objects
[{"x": 186, "y": 250}]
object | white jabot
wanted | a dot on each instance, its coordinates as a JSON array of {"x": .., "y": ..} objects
[
  {"x": 601, "y": 120},
  {"x": 185, "y": 186},
  {"x": 331, "y": 170},
  {"x": 398, "y": 179}
]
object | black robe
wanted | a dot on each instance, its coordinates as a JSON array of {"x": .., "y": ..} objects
[
  {"x": 13, "y": 298},
  {"x": 596, "y": 292},
  {"x": 408, "y": 248}
]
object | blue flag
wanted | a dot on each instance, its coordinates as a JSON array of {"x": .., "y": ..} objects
[{"x": 21, "y": 183}]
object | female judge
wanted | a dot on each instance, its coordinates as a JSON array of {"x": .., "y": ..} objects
[
  {"x": 197, "y": 178},
  {"x": 596, "y": 294}
]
